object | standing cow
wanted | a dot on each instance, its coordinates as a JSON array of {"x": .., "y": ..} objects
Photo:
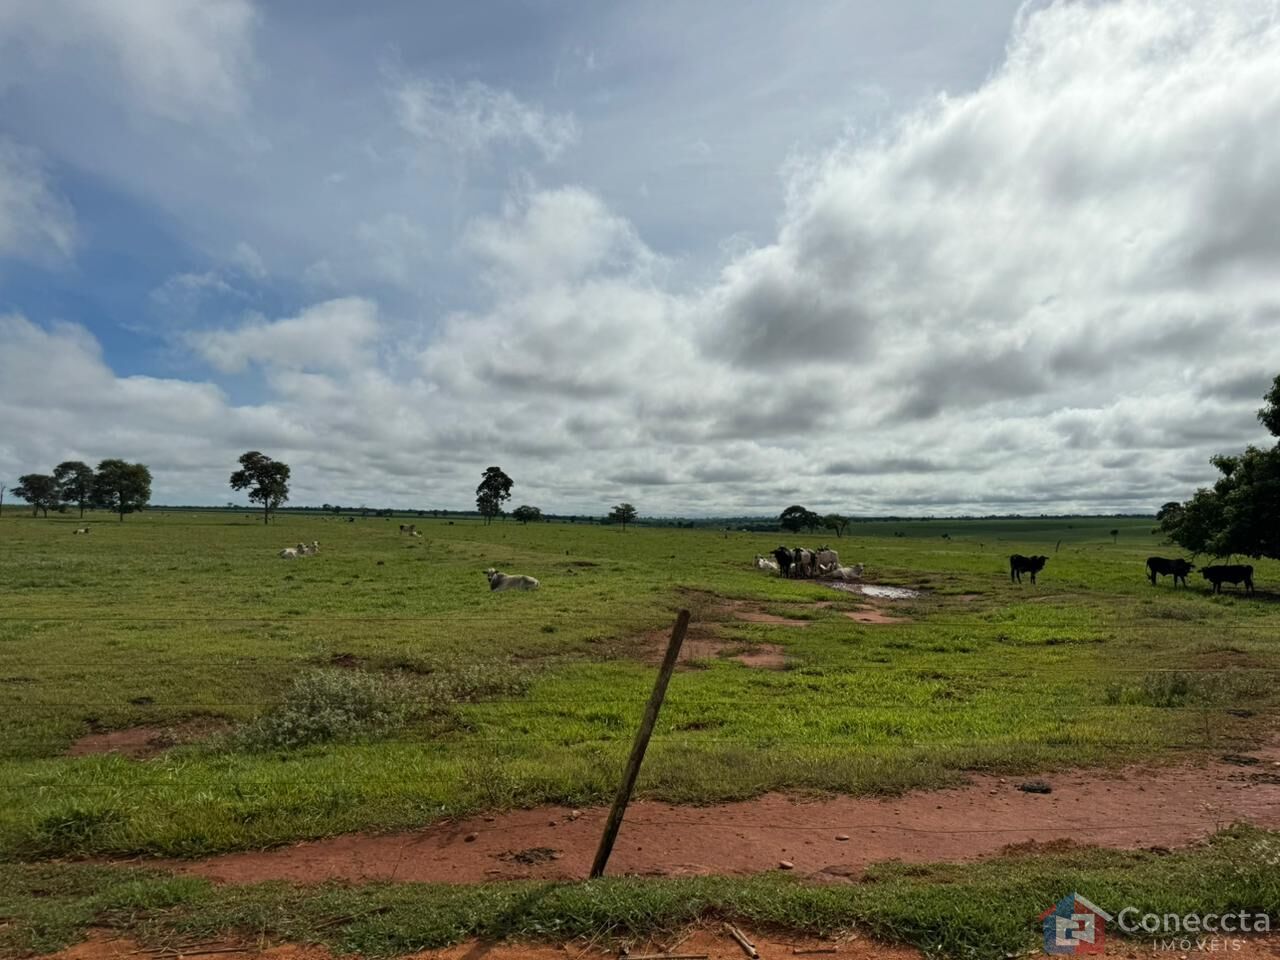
[
  {"x": 785, "y": 560},
  {"x": 1018, "y": 565},
  {"x": 1177, "y": 568},
  {"x": 1229, "y": 573}
]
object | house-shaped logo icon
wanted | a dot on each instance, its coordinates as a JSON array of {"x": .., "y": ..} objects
[{"x": 1074, "y": 927}]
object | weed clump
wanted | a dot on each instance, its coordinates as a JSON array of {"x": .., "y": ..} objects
[
  {"x": 330, "y": 705},
  {"x": 1178, "y": 688},
  {"x": 327, "y": 705}
]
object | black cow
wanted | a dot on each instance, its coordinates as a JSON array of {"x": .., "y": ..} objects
[
  {"x": 1229, "y": 573},
  {"x": 784, "y": 558},
  {"x": 1178, "y": 569},
  {"x": 1018, "y": 565}
]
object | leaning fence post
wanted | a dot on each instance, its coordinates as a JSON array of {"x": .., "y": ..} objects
[{"x": 641, "y": 744}]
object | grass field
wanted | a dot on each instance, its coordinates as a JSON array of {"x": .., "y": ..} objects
[{"x": 463, "y": 700}]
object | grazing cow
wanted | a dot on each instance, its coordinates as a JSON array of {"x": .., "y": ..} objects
[
  {"x": 80, "y": 530},
  {"x": 504, "y": 581},
  {"x": 1178, "y": 569},
  {"x": 785, "y": 560},
  {"x": 826, "y": 560},
  {"x": 1018, "y": 565},
  {"x": 765, "y": 564},
  {"x": 1229, "y": 573}
]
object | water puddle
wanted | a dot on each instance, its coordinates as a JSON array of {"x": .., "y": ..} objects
[{"x": 876, "y": 590}]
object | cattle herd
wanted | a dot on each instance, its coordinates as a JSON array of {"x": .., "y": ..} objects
[{"x": 823, "y": 564}]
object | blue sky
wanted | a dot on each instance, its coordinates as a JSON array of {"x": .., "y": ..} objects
[{"x": 708, "y": 258}]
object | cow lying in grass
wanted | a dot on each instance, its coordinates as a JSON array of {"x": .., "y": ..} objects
[
  {"x": 506, "y": 581},
  {"x": 1018, "y": 565},
  {"x": 1229, "y": 573}
]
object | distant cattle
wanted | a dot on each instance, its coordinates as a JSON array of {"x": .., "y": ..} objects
[
  {"x": 1177, "y": 568},
  {"x": 1229, "y": 573},
  {"x": 409, "y": 528},
  {"x": 80, "y": 530},
  {"x": 1018, "y": 565}
]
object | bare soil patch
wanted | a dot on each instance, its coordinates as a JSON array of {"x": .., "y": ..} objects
[
  {"x": 1138, "y": 807},
  {"x": 142, "y": 743},
  {"x": 711, "y": 941},
  {"x": 872, "y": 615},
  {"x": 763, "y": 656},
  {"x": 759, "y": 616}
]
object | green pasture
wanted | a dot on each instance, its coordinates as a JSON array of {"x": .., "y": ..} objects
[{"x": 520, "y": 698}]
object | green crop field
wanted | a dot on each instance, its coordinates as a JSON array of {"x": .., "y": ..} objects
[{"x": 380, "y": 684}]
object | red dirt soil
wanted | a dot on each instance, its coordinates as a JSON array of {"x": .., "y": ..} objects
[
  {"x": 712, "y": 942},
  {"x": 1133, "y": 808},
  {"x": 755, "y": 616},
  {"x": 874, "y": 616},
  {"x": 142, "y": 743}
]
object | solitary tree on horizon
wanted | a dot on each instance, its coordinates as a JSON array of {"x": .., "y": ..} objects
[
  {"x": 836, "y": 522},
  {"x": 75, "y": 483},
  {"x": 623, "y": 513},
  {"x": 38, "y": 489},
  {"x": 796, "y": 518},
  {"x": 266, "y": 480},
  {"x": 526, "y": 514},
  {"x": 493, "y": 492},
  {"x": 122, "y": 487}
]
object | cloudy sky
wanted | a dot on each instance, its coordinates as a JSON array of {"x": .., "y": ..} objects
[{"x": 710, "y": 258}]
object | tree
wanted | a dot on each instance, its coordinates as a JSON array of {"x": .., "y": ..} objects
[
  {"x": 525, "y": 513},
  {"x": 623, "y": 513},
  {"x": 493, "y": 492},
  {"x": 796, "y": 518},
  {"x": 122, "y": 487},
  {"x": 266, "y": 480},
  {"x": 833, "y": 521},
  {"x": 75, "y": 482},
  {"x": 1114, "y": 534},
  {"x": 1241, "y": 512},
  {"x": 38, "y": 489}
]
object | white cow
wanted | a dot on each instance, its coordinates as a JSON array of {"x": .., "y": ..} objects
[
  {"x": 309, "y": 549},
  {"x": 846, "y": 573},
  {"x": 826, "y": 560},
  {"x": 81, "y": 530},
  {"x": 504, "y": 581},
  {"x": 765, "y": 564}
]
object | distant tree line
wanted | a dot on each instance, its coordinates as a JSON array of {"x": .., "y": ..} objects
[{"x": 116, "y": 485}]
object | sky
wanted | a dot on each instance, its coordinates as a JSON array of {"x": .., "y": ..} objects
[{"x": 710, "y": 259}]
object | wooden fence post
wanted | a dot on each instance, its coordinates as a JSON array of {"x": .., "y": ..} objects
[{"x": 641, "y": 744}]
